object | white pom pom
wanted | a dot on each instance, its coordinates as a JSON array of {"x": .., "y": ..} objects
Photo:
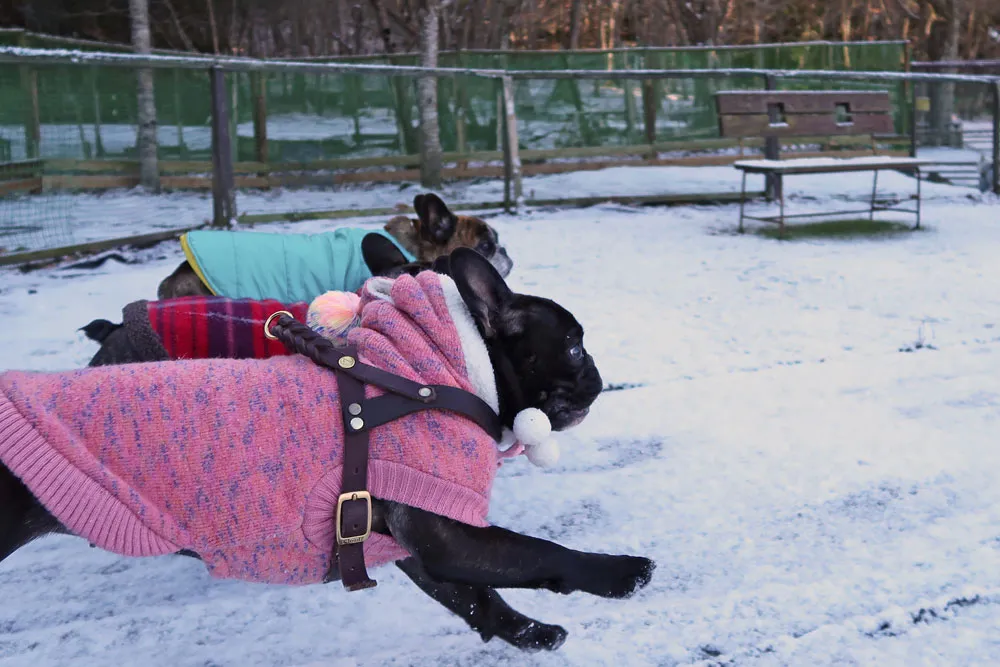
[
  {"x": 532, "y": 427},
  {"x": 545, "y": 454}
]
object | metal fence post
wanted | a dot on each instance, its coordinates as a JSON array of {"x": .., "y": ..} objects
[
  {"x": 223, "y": 194},
  {"x": 511, "y": 153},
  {"x": 910, "y": 102},
  {"x": 258, "y": 86},
  {"x": 996, "y": 137},
  {"x": 772, "y": 182}
]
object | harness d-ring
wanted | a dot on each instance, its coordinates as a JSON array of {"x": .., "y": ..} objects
[{"x": 267, "y": 324}]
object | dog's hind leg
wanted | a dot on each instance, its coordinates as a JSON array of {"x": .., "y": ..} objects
[
  {"x": 117, "y": 348},
  {"x": 451, "y": 551},
  {"x": 486, "y": 612},
  {"x": 22, "y": 517}
]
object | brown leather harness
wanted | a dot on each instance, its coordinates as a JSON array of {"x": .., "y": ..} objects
[{"x": 403, "y": 397}]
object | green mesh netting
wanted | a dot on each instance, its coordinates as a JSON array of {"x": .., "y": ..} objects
[{"x": 54, "y": 117}]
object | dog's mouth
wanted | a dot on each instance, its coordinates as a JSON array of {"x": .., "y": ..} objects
[{"x": 566, "y": 419}]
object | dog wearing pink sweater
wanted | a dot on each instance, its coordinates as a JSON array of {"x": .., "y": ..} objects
[{"x": 239, "y": 462}]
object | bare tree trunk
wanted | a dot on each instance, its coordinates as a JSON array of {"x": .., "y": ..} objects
[
  {"x": 358, "y": 18},
  {"x": 382, "y": 16},
  {"x": 213, "y": 25},
  {"x": 149, "y": 173},
  {"x": 430, "y": 150},
  {"x": 943, "y": 44},
  {"x": 575, "y": 23}
]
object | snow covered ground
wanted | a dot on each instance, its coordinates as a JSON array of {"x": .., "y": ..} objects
[{"x": 811, "y": 456}]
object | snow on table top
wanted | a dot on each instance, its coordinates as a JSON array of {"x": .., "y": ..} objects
[{"x": 819, "y": 162}]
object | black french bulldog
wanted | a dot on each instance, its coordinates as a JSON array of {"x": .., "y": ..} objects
[{"x": 536, "y": 348}]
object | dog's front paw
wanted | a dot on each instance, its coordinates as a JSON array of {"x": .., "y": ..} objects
[
  {"x": 620, "y": 576},
  {"x": 538, "y": 637}
]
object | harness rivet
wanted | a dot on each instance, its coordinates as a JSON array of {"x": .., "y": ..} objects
[
  {"x": 424, "y": 392},
  {"x": 354, "y": 409},
  {"x": 346, "y": 362},
  {"x": 357, "y": 423}
]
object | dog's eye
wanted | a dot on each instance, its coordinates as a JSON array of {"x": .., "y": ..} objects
[
  {"x": 485, "y": 248},
  {"x": 576, "y": 353}
]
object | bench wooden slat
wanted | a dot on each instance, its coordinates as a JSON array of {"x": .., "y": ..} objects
[
  {"x": 760, "y": 125},
  {"x": 802, "y": 102}
]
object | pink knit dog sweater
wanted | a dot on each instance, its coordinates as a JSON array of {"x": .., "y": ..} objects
[{"x": 240, "y": 460}]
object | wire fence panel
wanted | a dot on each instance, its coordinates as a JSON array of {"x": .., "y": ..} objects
[{"x": 69, "y": 130}]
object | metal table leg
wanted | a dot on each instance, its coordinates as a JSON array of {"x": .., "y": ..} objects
[
  {"x": 743, "y": 195},
  {"x": 871, "y": 212},
  {"x": 781, "y": 218}
]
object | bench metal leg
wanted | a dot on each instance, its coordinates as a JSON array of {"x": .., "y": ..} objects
[
  {"x": 781, "y": 218},
  {"x": 743, "y": 196},
  {"x": 871, "y": 212},
  {"x": 918, "y": 198}
]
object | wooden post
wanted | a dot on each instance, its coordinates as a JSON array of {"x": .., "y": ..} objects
[
  {"x": 772, "y": 182},
  {"x": 512, "y": 190},
  {"x": 234, "y": 114},
  {"x": 461, "y": 130},
  {"x": 630, "y": 110},
  {"x": 909, "y": 111},
  {"x": 32, "y": 116},
  {"x": 179, "y": 116},
  {"x": 461, "y": 121},
  {"x": 73, "y": 92},
  {"x": 320, "y": 97},
  {"x": 650, "y": 103},
  {"x": 500, "y": 120},
  {"x": 404, "y": 114},
  {"x": 912, "y": 103},
  {"x": 223, "y": 196},
  {"x": 32, "y": 113},
  {"x": 581, "y": 115},
  {"x": 94, "y": 91},
  {"x": 654, "y": 60},
  {"x": 258, "y": 84},
  {"x": 996, "y": 137}
]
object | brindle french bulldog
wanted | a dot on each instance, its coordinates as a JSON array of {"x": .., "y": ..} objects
[
  {"x": 434, "y": 233},
  {"x": 539, "y": 360}
]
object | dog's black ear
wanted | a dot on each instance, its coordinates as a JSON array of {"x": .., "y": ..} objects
[
  {"x": 381, "y": 255},
  {"x": 483, "y": 290},
  {"x": 442, "y": 265},
  {"x": 99, "y": 330},
  {"x": 437, "y": 223}
]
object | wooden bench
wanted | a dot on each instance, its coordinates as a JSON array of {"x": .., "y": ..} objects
[{"x": 775, "y": 115}]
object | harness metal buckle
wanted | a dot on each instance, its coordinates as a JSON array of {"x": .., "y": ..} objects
[{"x": 353, "y": 496}]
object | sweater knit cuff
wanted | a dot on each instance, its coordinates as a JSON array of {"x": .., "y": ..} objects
[{"x": 85, "y": 508}]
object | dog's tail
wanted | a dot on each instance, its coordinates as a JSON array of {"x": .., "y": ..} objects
[{"x": 99, "y": 330}]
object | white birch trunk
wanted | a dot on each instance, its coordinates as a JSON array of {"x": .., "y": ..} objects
[
  {"x": 149, "y": 172},
  {"x": 430, "y": 148}
]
